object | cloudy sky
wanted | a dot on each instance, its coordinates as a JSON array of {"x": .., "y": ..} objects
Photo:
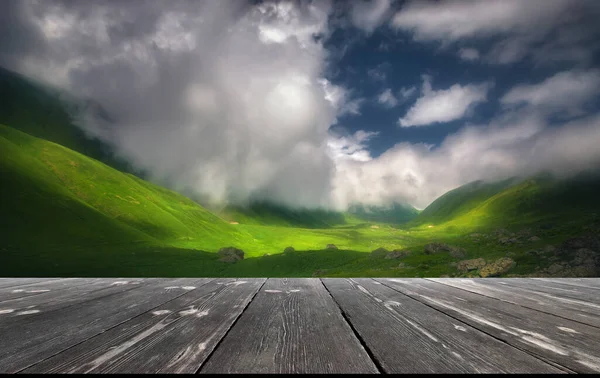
[{"x": 324, "y": 103}]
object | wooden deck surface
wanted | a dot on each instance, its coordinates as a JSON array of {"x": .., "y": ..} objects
[{"x": 330, "y": 325}]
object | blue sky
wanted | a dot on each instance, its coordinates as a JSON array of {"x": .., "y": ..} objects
[{"x": 324, "y": 103}]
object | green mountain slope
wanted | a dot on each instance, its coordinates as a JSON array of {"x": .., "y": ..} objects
[
  {"x": 537, "y": 199},
  {"x": 40, "y": 111},
  {"x": 52, "y": 196},
  {"x": 395, "y": 213}
]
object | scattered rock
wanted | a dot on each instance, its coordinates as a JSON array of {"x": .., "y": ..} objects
[
  {"x": 319, "y": 272},
  {"x": 453, "y": 264},
  {"x": 497, "y": 268},
  {"x": 507, "y": 240},
  {"x": 230, "y": 254},
  {"x": 534, "y": 239},
  {"x": 288, "y": 250},
  {"x": 433, "y": 248},
  {"x": 232, "y": 222},
  {"x": 457, "y": 253},
  {"x": 475, "y": 235},
  {"x": 555, "y": 268},
  {"x": 397, "y": 253},
  {"x": 473, "y": 264},
  {"x": 379, "y": 252},
  {"x": 374, "y": 226},
  {"x": 266, "y": 254},
  {"x": 401, "y": 266},
  {"x": 549, "y": 249},
  {"x": 331, "y": 246}
]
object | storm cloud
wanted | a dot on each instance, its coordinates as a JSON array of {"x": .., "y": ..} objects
[{"x": 231, "y": 100}]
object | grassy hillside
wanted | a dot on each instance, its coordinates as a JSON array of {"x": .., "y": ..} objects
[
  {"x": 537, "y": 199},
  {"x": 66, "y": 196},
  {"x": 39, "y": 111},
  {"x": 268, "y": 214},
  {"x": 395, "y": 213}
]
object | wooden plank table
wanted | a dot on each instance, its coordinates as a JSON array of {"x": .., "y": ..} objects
[{"x": 307, "y": 325}]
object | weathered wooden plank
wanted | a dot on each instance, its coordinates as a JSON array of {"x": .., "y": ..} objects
[
  {"x": 406, "y": 336},
  {"x": 581, "y": 311},
  {"x": 44, "y": 334},
  {"x": 14, "y": 282},
  {"x": 26, "y": 290},
  {"x": 592, "y": 283},
  {"x": 52, "y": 300},
  {"x": 173, "y": 338},
  {"x": 581, "y": 293},
  {"x": 291, "y": 326},
  {"x": 564, "y": 342}
]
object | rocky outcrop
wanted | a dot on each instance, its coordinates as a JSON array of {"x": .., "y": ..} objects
[
  {"x": 379, "y": 252},
  {"x": 497, "y": 268},
  {"x": 230, "y": 254},
  {"x": 397, "y": 253},
  {"x": 433, "y": 248},
  {"x": 468, "y": 265},
  {"x": 331, "y": 246}
]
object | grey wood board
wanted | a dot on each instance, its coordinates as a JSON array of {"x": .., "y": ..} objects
[
  {"x": 14, "y": 282},
  {"x": 581, "y": 293},
  {"x": 38, "y": 288},
  {"x": 581, "y": 311},
  {"x": 407, "y": 336},
  {"x": 173, "y": 338},
  {"x": 42, "y": 335},
  {"x": 564, "y": 342},
  {"x": 291, "y": 326},
  {"x": 45, "y": 302},
  {"x": 592, "y": 283}
]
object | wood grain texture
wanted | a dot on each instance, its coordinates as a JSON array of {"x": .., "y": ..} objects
[
  {"x": 40, "y": 335},
  {"x": 37, "y": 288},
  {"x": 406, "y": 336},
  {"x": 291, "y": 326},
  {"x": 581, "y": 311},
  {"x": 592, "y": 283},
  {"x": 173, "y": 338},
  {"x": 556, "y": 289},
  {"x": 15, "y": 282},
  {"x": 11, "y": 310},
  {"x": 564, "y": 342}
]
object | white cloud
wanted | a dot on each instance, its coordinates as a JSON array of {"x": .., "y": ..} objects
[
  {"x": 518, "y": 144},
  {"x": 520, "y": 24},
  {"x": 406, "y": 93},
  {"x": 350, "y": 147},
  {"x": 565, "y": 91},
  {"x": 468, "y": 54},
  {"x": 387, "y": 98},
  {"x": 444, "y": 105},
  {"x": 379, "y": 73},
  {"x": 176, "y": 78},
  {"x": 367, "y": 15}
]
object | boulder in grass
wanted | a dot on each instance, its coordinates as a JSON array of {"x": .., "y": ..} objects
[
  {"x": 398, "y": 253},
  {"x": 379, "y": 252},
  {"x": 288, "y": 250},
  {"x": 468, "y": 265},
  {"x": 331, "y": 246},
  {"x": 497, "y": 268},
  {"x": 433, "y": 248},
  {"x": 230, "y": 254}
]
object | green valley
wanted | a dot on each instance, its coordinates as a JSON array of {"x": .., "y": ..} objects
[{"x": 69, "y": 208}]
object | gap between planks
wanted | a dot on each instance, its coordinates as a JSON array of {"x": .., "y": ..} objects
[
  {"x": 539, "y": 357},
  {"x": 114, "y": 326},
  {"x": 362, "y": 342}
]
